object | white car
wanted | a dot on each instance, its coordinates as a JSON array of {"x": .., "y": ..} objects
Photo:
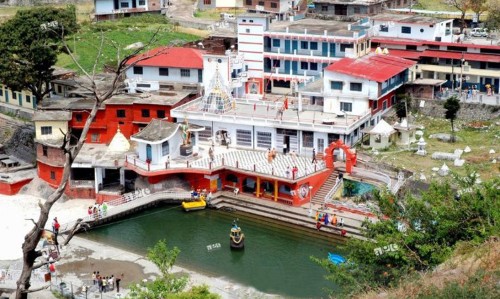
[{"x": 479, "y": 32}]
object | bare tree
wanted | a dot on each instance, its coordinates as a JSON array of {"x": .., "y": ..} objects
[{"x": 99, "y": 96}]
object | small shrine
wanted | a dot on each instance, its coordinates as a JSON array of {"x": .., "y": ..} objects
[
  {"x": 421, "y": 147},
  {"x": 217, "y": 98}
]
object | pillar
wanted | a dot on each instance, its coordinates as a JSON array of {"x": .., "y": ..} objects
[
  {"x": 122, "y": 176},
  {"x": 275, "y": 190},
  {"x": 257, "y": 191}
]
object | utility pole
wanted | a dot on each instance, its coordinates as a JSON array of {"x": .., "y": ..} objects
[
  {"x": 462, "y": 61},
  {"x": 452, "y": 75}
]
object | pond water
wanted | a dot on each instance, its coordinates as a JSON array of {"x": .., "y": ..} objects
[
  {"x": 275, "y": 260},
  {"x": 360, "y": 188}
]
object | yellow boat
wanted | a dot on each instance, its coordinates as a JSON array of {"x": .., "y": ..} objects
[{"x": 194, "y": 205}]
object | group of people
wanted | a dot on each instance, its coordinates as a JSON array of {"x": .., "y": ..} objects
[
  {"x": 324, "y": 219},
  {"x": 105, "y": 283},
  {"x": 291, "y": 172},
  {"x": 271, "y": 154},
  {"x": 97, "y": 210}
]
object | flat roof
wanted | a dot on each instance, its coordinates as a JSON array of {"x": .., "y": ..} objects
[
  {"x": 423, "y": 81},
  {"x": 408, "y": 19},
  {"x": 96, "y": 154},
  {"x": 313, "y": 26},
  {"x": 167, "y": 98},
  {"x": 44, "y": 115}
]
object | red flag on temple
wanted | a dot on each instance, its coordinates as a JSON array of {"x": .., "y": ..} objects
[{"x": 286, "y": 103}]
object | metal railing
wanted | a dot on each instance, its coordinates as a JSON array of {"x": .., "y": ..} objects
[{"x": 329, "y": 195}]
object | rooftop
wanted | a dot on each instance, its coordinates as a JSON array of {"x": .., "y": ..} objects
[
  {"x": 96, "y": 154},
  {"x": 43, "y": 115},
  {"x": 408, "y": 19},
  {"x": 313, "y": 26},
  {"x": 157, "y": 130},
  {"x": 176, "y": 57},
  {"x": 374, "y": 67}
]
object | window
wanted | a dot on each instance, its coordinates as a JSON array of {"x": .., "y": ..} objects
[
  {"x": 264, "y": 139},
  {"x": 46, "y": 130},
  {"x": 307, "y": 139},
  {"x": 304, "y": 45},
  {"x": 378, "y": 138},
  {"x": 124, "y": 4},
  {"x": 52, "y": 175},
  {"x": 384, "y": 28},
  {"x": 324, "y": 7},
  {"x": 207, "y": 2},
  {"x": 185, "y": 73},
  {"x": 14, "y": 95},
  {"x": 274, "y": 5},
  {"x": 313, "y": 66},
  {"x": 281, "y": 83},
  {"x": 333, "y": 137},
  {"x": 261, "y": 3},
  {"x": 313, "y": 45},
  {"x": 160, "y": 113},
  {"x": 1, "y": 92},
  {"x": 145, "y": 112},
  {"x": 78, "y": 117},
  {"x": 137, "y": 70},
  {"x": 276, "y": 63},
  {"x": 276, "y": 43},
  {"x": 120, "y": 113},
  {"x": 59, "y": 89},
  {"x": 248, "y": 2},
  {"x": 346, "y": 107},
  {"x": 356, "y": 86},
  {"x": 28, "y": 99},
  {"x": 205, "y": 134},
  {"x": 405, "y": 29},
  {"x": 142, "y": 2},
  {"x": 95, "y": 137},
  {"x": 165, "y": 149},
  {"x": 244, "y": 137},
  {"x": 375, "y": 105},
  {"x": 357, "y": 10},
  {"x": 393, "y": 100},
  {"x": 411, "y": 47},
  {"x": 163, "y": 71},
  {"x": 343, "y": 47},
  {"x": 384, "y": 105},
  {"x": 44, "y": 150},
  {"x": 143, "y": 85},
  {"x": 303, "y": 65},
  {"x": 336, "y": 85},
  {"x": 247, "y": 30}
]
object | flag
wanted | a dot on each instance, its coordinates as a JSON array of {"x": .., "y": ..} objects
[
  {"x": 254, "y": 106},
  {"x": 286, "y": 103}
]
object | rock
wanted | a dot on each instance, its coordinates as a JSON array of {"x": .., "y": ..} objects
[
  {"x": 444, "y": 170},
  {"x": 492, "y": 151},
  {"x": 494, "y": 161},
  {"x": 422, "y": 177},
  {"x": 444, "y": 137},
  {"x": 458, "y": 162},
  {"x": 467, "y": 149},
  {"x": 458, "y": 152},
  {"x": 435, "y": 169}
]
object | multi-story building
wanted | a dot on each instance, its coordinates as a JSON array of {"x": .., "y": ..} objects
[
  {"x": 12, "y": 100},
  {"x": 282, "y": 55},
  {"x": 110, "y": 9},
  {"x": 477, "y": 64},
  {"x": 212, "y": 4},
  {"x": 278, "y": 9},
  {"x": 413, "y": 26},
  {"x": 353, "y": 9}
]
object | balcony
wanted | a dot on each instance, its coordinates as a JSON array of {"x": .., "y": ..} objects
[
  {"x": 236, "y": 83},
  {"x": 301, "y": 55}
]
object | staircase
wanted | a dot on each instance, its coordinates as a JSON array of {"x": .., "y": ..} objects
[{"x": 319, "y": 197}]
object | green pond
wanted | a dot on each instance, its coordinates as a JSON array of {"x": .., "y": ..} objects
[{"x": 275, "y": 260}]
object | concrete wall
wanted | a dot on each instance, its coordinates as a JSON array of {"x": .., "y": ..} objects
[
  {"x": 423, "y": 31},
  {"x": 58, "y": 129},
  {"x": 150, "y": 73}
]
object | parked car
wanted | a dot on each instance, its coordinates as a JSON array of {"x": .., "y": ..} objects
[{"x": 479, "y": 32}]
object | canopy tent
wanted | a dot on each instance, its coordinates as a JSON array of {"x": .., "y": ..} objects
[{"x": 380, "y": 135}]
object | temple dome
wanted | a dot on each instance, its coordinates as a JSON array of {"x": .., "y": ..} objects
[
  {"x": 217, "y": 98},
  {"x": 119, "y": 143}
]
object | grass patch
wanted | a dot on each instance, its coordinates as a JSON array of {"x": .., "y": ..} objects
[
  {"x": 117, "y": 35},
  {"x": 480, "y": 142},
  {"x": 214, "y": 14},
  {"x": 440, "y": 5},
  {"x": 83, "y": 11}
]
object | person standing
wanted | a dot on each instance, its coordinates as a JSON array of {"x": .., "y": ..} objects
[
  {"x": 341, "y": 222},
  {"x": 94, "y": 278},
  {"x": 314, "y": 156},
  {"x": 104, "y": 209},
  {"x": 334, "y": 220},
  {"x": 55, "y": 229}
]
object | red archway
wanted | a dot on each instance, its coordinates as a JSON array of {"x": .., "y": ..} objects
[{"x": 350, "y": 159}]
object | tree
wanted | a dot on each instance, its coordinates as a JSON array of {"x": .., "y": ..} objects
[
  {"x": 493, "y": 20},
  {"x": 403, "y": 105},
  {"x": 100, "y": 94},
  {"x": 452, "y": 106},
  {"x": 478, "y": 7},
  {"x": 167, "y": 285},
  {"x": 418, "y": 237},
  {"x": 28, "y": 52},
  {"x": 462, "y": 6}
]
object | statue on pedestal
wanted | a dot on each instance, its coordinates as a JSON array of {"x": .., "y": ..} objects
[{"x": 186, "y": 147}]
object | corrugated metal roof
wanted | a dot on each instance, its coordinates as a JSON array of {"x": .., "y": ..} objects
[
  {"x": 458, "y": 55},
  {"x": 178, "y": 57},
  {"x": 374, "y": 67}
]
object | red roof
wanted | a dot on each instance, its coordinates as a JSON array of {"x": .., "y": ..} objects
[
  {"x": 405, "y": 41},
  {"x": 374, "y": 67},
  {"x": 188, "y": 58},
  {"x": 458, "y": 55},
  {"x": 407, "y": 54},
  {"x": 396, "y": 41}
]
